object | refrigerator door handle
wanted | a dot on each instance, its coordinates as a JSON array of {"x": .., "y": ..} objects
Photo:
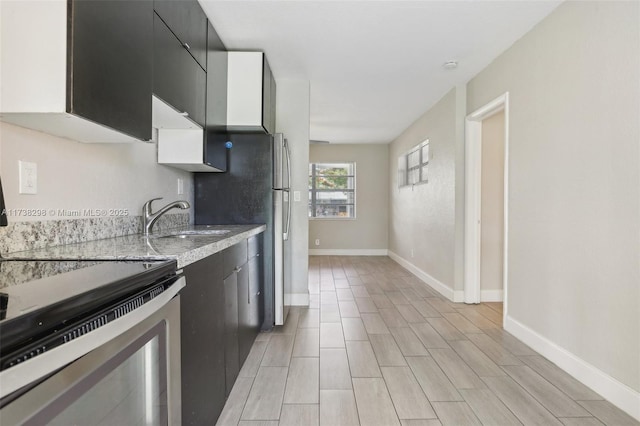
[
  {"x": 288, "y": 226},
  {"x": 285, "y": 234},
  {"x": 286, "y": 151},
  {"x": 278, "y": 161}
]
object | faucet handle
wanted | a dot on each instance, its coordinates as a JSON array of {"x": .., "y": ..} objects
[{"x": 146, "y": 209}]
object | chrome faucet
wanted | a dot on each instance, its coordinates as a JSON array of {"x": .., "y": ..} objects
[{"x": 149, "y": 218}]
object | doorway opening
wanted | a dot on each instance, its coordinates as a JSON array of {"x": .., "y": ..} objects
[{"x": 486, "y": 258}]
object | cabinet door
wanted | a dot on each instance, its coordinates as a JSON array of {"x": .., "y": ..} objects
[
  {"x": 231, "y": 355},
  {"x": 256, "y": 297},
  {"x": 217, "y": 63},
  {"x": 177, "y": 78},
  {"x": 215, "y": 152},
  {"x": 272, "y": 97},
  {"x": 234, "y": 257},
  {"x": 188, "y": 22},
  {"x": 246, "y": 334},
  {"x": 202, "y": 335},
  {"x": 268, "y": 98},
  {"x": 266, "y": 95},
  {"x": 110, "y": 64}
]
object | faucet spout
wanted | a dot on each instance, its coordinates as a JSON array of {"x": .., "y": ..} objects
[{"x": 149, "y": 218}]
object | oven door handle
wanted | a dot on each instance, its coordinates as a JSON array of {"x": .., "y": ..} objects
[{"x": 42, "y": 365}]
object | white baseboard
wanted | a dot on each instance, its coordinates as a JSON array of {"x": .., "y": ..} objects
[
  {"x": 297, "y": 299},
  {"x": 443, "y": 289},
  {"x": 619, "y": 394},
  {"x": 348, "y": 252},
  {"x": 491, "y": 295}
]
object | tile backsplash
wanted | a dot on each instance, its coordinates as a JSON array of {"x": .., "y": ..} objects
[{"x": 20, "y": 236}]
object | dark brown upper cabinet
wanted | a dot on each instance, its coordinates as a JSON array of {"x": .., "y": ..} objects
[
  {"x": 177, "y": 78},
  {"x": 215, "y": 152},
  {"x": 110, "y": 58},
  {"x": 188, "y": 22},
  {"x": 217, "y": 63},
  {"x": 79, "y": 69}
]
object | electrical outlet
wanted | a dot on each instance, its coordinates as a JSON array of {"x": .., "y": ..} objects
[
  {"x": 180, "y": 186},
  {"x": 28, "y": 177},
  {"x": 317, "y": 242}
]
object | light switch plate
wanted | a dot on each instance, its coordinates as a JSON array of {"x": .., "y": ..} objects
[
  {"x": 28, "y": 177},
  {"x": 296, "y": 195}
]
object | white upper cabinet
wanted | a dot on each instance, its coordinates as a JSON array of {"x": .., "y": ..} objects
[{"x": 251, "y": 93}]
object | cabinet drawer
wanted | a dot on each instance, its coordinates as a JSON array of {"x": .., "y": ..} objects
[
  {"x": 234, "y": 257},
  {"x": 254, "y": 246}
]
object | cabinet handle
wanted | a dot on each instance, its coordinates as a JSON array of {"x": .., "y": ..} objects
[
  {"x": 258, "y": 293},
  {"x": 258, "y": 255},
  {"x": 186, "y": 45},
  {"x": 237, "y": 269}
]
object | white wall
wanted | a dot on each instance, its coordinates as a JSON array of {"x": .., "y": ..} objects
[
  {"x": 492, "y": 203},
  {"x": 574, "y": 195},
  {"x": 423, "y": 218},
  {"x": 368, "y": 232},
  {"x": 292, "y": 119},
  {"x": 74, "y": 175}
]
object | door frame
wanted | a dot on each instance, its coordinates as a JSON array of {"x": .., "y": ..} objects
[{"x": 473, "y": 198}]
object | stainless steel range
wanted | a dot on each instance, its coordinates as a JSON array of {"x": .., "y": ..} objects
[{"x": 90, "y": 343}]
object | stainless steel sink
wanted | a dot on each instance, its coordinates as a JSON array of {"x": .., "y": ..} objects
[
  {"x": 197, "y": 233},
  {"x": 204, "y": 232}
]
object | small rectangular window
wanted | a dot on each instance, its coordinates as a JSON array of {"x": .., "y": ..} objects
[
  {"x": 413, "y": 165},
  {"x": 332, "y": 190}
]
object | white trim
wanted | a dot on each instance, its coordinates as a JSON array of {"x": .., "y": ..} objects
[
  {"x": 348, "y": 252},
  {"x": 440, "y": 287},
  {"x": 619, "y": 394},
  {"x": 491, "y": 295},
  {"x": 473, "y": 175},
  {"x": 298, "y": 299}
]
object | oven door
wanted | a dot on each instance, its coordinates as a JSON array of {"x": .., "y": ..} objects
[{"x": 132, "y": 379}]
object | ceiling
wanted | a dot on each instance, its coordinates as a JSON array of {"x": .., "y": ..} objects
[{"x": 374, "y": 66}]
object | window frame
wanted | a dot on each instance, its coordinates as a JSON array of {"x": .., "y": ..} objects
[
  {"x": 312, "y": 205},
  {"x": 404, "y": 170}
]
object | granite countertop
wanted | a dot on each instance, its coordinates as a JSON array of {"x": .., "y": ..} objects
[{"x": 163, "y": 245}]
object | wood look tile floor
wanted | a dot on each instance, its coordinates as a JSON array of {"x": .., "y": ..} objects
[{"x": 377, "y": 346}]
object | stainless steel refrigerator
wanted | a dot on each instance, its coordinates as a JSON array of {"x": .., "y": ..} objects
[{"x": 254, "y": 189}]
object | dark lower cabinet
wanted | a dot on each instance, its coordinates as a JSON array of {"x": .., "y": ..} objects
[
  {"x": 246, "y": 333},
  {"x": 252, "y": 320},
  {"x": 202, "y": 337},
  {"x": 231, "y": 357},
  {"x": 221, "y": 313},
  {"x": 243, "y": 303}
]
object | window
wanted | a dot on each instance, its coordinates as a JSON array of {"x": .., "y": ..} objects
[
  {"x": 332, "y": 190},
  {"x": 413, "y": 166}
]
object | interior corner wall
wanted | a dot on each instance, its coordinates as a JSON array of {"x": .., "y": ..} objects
[
  {"x": 367, "y": 233},
  {"x": 574, "y": 186},
  {"x": 422, "y": 218},
  {"x": 292, "y": 119}
]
